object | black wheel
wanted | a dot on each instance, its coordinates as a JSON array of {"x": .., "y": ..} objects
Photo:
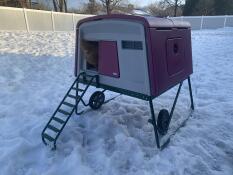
[
  {"x": 96, "y": 100},
  {"x": 163, "y": 121}
]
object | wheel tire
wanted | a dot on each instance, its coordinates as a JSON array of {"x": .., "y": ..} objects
[
  {"x": 96, "y": 100},
  {"x": 163, "y": 121}
]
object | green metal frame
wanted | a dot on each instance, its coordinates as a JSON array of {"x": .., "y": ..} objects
[
  {"x": 154, "y": 122},
  {"x": 83, "y": 78},
  {"x": 150, "y": 99},
  {"x": 120, "y": 90},
  {"x": 77, "y": 98}
]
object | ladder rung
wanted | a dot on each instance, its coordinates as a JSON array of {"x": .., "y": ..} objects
[
  {"x": 68, "y": 104},
  {"x": 71, "y": 96},
  {"x": 58, "y": 120},
  {"x": 81, "y": 90},
  {"x": 91, "y": 76},
  {"x": 53, "y": 128},
  {"x": 63, "y": 112},
  {"x": 48, "y": 137}
]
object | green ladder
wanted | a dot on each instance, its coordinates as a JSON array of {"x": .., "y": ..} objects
[{"x": 61, "y": 116}]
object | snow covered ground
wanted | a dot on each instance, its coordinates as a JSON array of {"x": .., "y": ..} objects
[{"x": 36, "y": 70}]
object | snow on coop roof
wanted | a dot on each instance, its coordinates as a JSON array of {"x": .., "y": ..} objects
[{"x": 148, "y": 21}]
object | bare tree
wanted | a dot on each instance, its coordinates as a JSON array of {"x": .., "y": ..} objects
[
  {"x": 65, "y": 5},
  {"x": 60, "y": 5},
  {"x": 55, "y": 5},
  {"x": 125, "y": 8},
  {"x": 172, "y": 3},
  {"x": 92, "y": 7},
  {"x": 155, "y": 9},
  {"x": 16, "y": 3},
  {"x": 25, "y": 3},
  {"x": 30, "y": 3},
  {"x": 160, "y": 9},
  {"x": 197, "y": 8},
  {"x": 109, "y": 5},
  {"x": 205, "y": 7}
]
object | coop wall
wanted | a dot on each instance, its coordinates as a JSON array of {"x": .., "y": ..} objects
[
  {"x": 173, "y": 63},
  {"x": 133, "y": 65}
]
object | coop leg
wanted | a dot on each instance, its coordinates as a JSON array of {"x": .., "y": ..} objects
[
  {"x": 190, "y": 93},
  {"x": 76, "y": 100},
  {"x": 97, "y": 82},
  {"x": 176, "y": 98},
  {"x": 154, "y": 123}
]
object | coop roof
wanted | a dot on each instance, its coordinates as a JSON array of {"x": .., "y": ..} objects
[{"x": 148, "y": 21}]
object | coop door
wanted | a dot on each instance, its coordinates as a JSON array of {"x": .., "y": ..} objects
[
  {"x": 175, "y": 55},
  {"x": 108, "y": 59}
]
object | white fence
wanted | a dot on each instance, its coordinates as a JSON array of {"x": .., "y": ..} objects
[
  {"x": 38, "y": 20},
  {"x": 207, "y": 22}
]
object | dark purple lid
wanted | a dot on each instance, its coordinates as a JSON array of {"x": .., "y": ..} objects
[{"x": 148, "y": 21}]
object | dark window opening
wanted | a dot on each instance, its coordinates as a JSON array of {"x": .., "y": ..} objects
[
  {"x": 90, "y": 53},
  {"x": 136, "y": 45}
]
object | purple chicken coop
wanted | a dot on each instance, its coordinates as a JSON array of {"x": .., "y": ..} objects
[{"x": 138, "y": 56}]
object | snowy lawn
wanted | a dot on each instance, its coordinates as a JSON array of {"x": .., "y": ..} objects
[{"x": 36, "y": 70}]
